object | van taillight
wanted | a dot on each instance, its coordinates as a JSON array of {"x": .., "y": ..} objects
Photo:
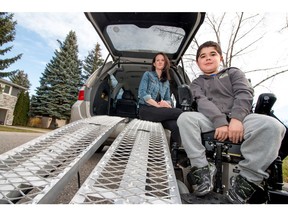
[{"x": 81, "y": 95}]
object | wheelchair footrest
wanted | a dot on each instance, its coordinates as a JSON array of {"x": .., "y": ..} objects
[
  {"x": 210, "y": 198},
  {"x": 278, "y": 197}
]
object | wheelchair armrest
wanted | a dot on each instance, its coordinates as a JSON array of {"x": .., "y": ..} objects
[
  {"x": 186, "y": 99},
  {"x": 209, "y": 136},
  {"x": 230, "y": 147}
]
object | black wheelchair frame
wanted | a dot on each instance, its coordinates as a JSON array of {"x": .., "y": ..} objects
[{"x": 227, "y": 152}]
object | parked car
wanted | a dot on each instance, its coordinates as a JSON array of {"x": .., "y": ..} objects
[{"x": 132, "y": 40}]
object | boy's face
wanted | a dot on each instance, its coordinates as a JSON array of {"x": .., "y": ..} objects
[{"x": 209, "y": 60}]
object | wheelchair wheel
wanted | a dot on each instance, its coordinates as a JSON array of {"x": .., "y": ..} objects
[{"x": 183, "y": 189}]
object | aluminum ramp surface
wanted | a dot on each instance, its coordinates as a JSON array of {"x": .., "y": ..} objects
[
  {"x": 36, "y": 171},
  {"x": 136, "y": 169}
]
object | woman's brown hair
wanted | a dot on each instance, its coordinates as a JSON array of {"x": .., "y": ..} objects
[{"x": 165, "y": 72}]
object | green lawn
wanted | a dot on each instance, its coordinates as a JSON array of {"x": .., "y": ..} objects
[
  {"x": 285, "y": 170},
  {"x": 20, "y": 129}
]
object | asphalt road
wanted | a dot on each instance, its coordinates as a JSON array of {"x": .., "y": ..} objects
[{"x": 10, "y": 140}]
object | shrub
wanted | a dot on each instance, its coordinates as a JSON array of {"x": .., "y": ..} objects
[
  {"x": 285, "y": 170},
  {"x": 35, "y": 122}
]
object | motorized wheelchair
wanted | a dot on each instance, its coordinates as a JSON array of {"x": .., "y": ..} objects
[{"x": 226, "y": 155}]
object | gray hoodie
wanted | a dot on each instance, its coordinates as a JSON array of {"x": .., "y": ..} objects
[{"x": 226, "y": 94}]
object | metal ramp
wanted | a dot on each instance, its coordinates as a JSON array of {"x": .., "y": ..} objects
[
  {"x": 136, "y": 169},
  {"x": 37, "y": 171}
]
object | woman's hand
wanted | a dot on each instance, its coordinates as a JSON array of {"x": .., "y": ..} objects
[
  {"x": 153, "y": 103},
  {"x": 164, "y": 103}
]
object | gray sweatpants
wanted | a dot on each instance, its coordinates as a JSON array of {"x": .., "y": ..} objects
[{"x": 262, "y": 139}]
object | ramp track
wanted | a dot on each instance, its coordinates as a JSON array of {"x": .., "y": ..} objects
[
  {"x": 37, "y": 171},
  {"x": 136, "y": 169}
]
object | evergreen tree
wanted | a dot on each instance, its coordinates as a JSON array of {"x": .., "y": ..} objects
[
  {"x": 7, "y": 34},
  {"x": 21, "y": 109},
  {"x": 60, "y": 82},
  {"x": 18, "y": 109},
  {"x": 92, "y": 62},
  {"x": 33, "y": 107},
  {"x": 26, "y": 108},
  {"x": 20, "y": 78}
]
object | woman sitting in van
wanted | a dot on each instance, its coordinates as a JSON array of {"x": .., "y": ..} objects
[{"x": 154, "y": 97}]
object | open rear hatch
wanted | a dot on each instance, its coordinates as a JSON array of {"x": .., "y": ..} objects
[{"x": 138, "y": 36}]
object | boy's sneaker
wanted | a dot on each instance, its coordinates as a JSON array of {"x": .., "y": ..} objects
[
  {"x": 243, "y": 191},
  {"x": 202, "y": 179}
]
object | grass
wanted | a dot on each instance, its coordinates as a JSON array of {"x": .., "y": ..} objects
[
  {"x": 285, "y": 170},
  {"x": 12, "y": 129}
]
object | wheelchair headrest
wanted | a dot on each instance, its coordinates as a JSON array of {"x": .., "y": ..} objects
[{"x": 264, "y": 103}]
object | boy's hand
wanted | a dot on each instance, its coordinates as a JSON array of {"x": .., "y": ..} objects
[
  {"x": 221, "y": 133},
  {"x": 236, "y": 131}
]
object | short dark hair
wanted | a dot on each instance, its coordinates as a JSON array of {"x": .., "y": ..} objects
[{"x": 209, "y": 44}]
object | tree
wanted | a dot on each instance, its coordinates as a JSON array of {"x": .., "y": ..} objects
[
  {"x": 7, "y": 34},
  {"x": 285, "y": 26},
  {"x": 60, "y": 82},
  {"x": 20, "y": 78},
  {"x": 92, "y": 62},
  {"x": 33, "y": 111},
  {"x": 21, "y": 109},
  {"x": 237, "y": 34}
]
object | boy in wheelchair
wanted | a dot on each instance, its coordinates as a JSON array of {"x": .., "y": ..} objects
[{"x": 224, "y": 103}]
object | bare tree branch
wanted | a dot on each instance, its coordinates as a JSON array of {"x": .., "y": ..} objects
[
  {"x": 250, "y": 17},
  {"x": 217, "y": 29},
  {"x": 246, "y": 47},
  {"x": 234, "y": 39},
  {"x": 286, "y": 25},
  {"x": 269, "y": 77},
  {"x": 265, "y": 69},
  {"x": 250, "y": 28}
]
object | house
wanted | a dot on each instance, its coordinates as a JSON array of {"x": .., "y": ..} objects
[{"x": 8, "y": 98}]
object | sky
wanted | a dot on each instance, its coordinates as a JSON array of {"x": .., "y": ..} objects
[
  {"x": 39, "y": 27},
  {"x": 36, "y": 37}
]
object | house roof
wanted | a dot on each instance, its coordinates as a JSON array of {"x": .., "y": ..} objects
[{"x": 12, "y": 84}]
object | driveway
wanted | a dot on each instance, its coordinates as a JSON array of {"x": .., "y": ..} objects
[{"x": 10, "y": 140}]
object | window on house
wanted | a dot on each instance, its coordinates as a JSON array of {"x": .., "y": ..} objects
[
  {"x": 15, "y": 92},
  {"x": 7, "y": 89}
]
